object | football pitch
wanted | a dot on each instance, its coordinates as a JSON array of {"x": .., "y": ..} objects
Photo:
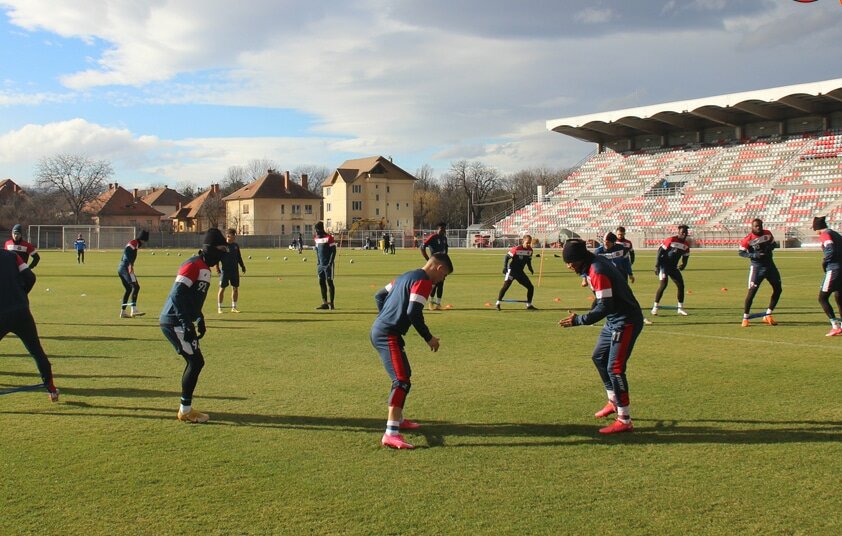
[{"x": 737, "y": 430}]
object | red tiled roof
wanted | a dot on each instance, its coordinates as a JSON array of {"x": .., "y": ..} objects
[
  {"x": 351, "y": 170},
  {"x": 117, "y": 201},
  {"x": 271, "y": 186}
]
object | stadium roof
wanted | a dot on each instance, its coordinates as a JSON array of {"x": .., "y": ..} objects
[{"x": 735, "y": 109}]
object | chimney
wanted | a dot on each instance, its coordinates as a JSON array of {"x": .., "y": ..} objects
[
  {"x": 15, "y": 187},
  {"x": 178, "y": 208},
  {"x": 214, "y": 188},
  {"x": 286, "y": 181},
  {"x": 134, "y": 193},
  {"x": 304, "y": 180}
]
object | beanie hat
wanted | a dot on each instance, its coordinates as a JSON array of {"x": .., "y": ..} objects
[
  {"x": 574, "y": 250},
  {"x": 610, "y": 237},
  {"x": 143, "y": 235},
  {"x": 17, "y": 228},
  {"x": 213, "y": 237},
  {"x": 819, "y": 223}
]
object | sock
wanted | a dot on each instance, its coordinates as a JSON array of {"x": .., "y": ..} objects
[
  {"x": 745, "y": 316},
  {"x": 835, "y": 323},
  {"x": 611, "y": 396},
  {"x": 655, "y": 306},
  {"x": 184, "y": 410},
  {"x": 680, "y": 305},
  {"x": 219, "y": 305},
  {"x": 768, "y": 312},
  {"x": 498, "y": 302},
  {"x": 393, "y": 428},
  {"x": 623, "y": 414},
  {"x": 233, "y": 305}
]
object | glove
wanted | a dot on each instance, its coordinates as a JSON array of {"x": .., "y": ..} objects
[
  {"x": 189, "y": 332},
  {"x": 244, "y": 270},
  {"x": 681, "y": 268},
  {"x": 200, "y": 326}
]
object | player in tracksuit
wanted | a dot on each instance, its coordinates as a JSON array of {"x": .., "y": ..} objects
[
  {"x": 617, "y": 253},
  {"x": 16, "y": 280},
  {"x": 80, "y": 247},
  {"x": 23, "y": 248},
  {"x": 325, "y": 255},
  {"x": 831, "y": 243},
  {"x": 437, "y": 243},
  {"x": 401, "y": 305},
  {"x": 127, "y": 276},
  {"x": 673, "y": 250},
  {"x": 626, "y": 243},
  {"x": 516, "y": 259},
  {"x": 757, "y": 246},
  {"x": 184, "y": 307},
  {"x": 616, "y": 303},
  {"x": 229, "y": 274}
]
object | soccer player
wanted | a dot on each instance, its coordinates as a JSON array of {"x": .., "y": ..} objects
[
  {"x": 674, "y": 249},
  {"x": 325, "y": 255},
  {"x": 758, "y": 246},
  {"x": 386, "y": 244},
  {"x": 300, "y": 246},
  {"x": 617, "y": 253},
  {"x": 437, "y": 243},
  {"x": 621, "y": 239},
  {"x": 831, "y": 243},
  {"x": 401, "y": 304},
  {"x": 229, "y": 274},
  {"x": 184, "y": 307},
  {"x": 16, "y": 280},
  {"x": 516, "y": 259},
  {"x": 80, "y": 246},
  {"x": 616, "y": 303},
  {"x": 23, "y": 248},
  {"x": 127, "y": 275}
]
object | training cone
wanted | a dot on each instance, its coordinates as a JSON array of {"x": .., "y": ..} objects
[
  {"x": 448, "y": 306},
  {"x": 556, "y": 300},
  {"x": 487, "y": 304},
  {"x": 689, "y": 292},
  {"x": 723, "y": 289}
]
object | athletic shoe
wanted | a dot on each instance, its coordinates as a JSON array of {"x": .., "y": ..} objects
[
  {"x": 834, "y": 332},
  {"x": 617, "y": 427},
  {"x": 654, "y": 311},
  {"x": 323, "y": 306},
  {"x": 406, "y": 424},
  {"x": 219, "y": 310},
  {"x": 745, "y": 323},
  {"x": 330, "y": 306},
  {"x": 497, "y": 305},
  {"x": 53, "y": 396},
  {"x": 125, "y": 314},
  {"x": 438, "y": 307},
  {"x": 235, "y": 310},
  {"x": 136, "y": 314},
  {"x": 194, "y": 417},
  {"x": 681, "y": 312},
  {"x": 431, "y": 305},
  {"x": 647, "y": 322},
  {"x": 395, "y": 442},
  {"x": 531, "y": 307},
  {"x": 769, "y": 320},
  {"x": 609, "y": 409}
]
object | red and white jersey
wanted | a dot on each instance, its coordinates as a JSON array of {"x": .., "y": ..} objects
[
  {"x": 520, "y": 257},
  {"x": 24, "y": 249},
  {"x": 626, "y": 243},
  {"x": 759, "y": 247}
]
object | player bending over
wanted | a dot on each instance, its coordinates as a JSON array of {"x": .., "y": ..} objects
[{"x": 518, "y": 258}]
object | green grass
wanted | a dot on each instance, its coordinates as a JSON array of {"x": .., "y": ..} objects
[{"x": 738, "y": 431}]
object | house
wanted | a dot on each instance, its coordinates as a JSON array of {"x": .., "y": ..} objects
[
  {"x": 372, "y": 190},
  {"x": 118, "y": 207},
  {"x": 200, "y": 214},
  {"x": 10, "y": 191},
  {"x": 272, "y": 205},
  {"x": 164, "y": 200}
]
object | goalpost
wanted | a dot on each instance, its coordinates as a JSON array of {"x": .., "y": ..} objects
[{"x": 64, "y": 236}]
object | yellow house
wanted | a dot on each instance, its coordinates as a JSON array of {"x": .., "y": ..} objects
[
  {"x": 273, "y": 205},
  {"x": 371, "y": 191},
  {"x": 200, "y": 214}
]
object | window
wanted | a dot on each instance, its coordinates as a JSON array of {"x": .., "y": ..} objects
[
  {"x": 377, "y": 212},
  {"x": 357, "y": 188},
  {"x": 387, "y": 189},
  {"x": 283, "y": 208},
  {"x": 283, "y": 229},
  {"x": 246, "y": 208},
  {"x": 356, "y": 205},
  {"x": 327, "y": 207},
  {"x": 377, "y": 197},
  {"x": 296, "y": 229},
  {"x": 397, "y": 206},
  {"x": 328, "y": 224},
  {"x": 327, "y": 191},
  {"x": 245, "y": 230},
  {"x": 308, "y": 209},
  {"x": 149, "y": 224},
  {"x": 308, "y": 229},
  {"x": 296, "y": 210}
]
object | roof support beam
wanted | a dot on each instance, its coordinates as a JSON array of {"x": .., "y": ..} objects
[{"x": 717, "y": 115}]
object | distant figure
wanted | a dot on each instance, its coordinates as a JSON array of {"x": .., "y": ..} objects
[
  {"x": 80, "y": 249},
  {"x": 300, "y": 245},
  {"x": 758, "y": 246},
  {"x": 385, "y": 243},
  {"x": 24, "y": 249},
  {"x": 674, "y": 249},
  {"x": 127, "y": 275},
  {"x": 229, "y": 273},
  {"x": 831, "y": 243},
  {"x": 325, "y": 255},
  {"x": 437, "y": 243}
]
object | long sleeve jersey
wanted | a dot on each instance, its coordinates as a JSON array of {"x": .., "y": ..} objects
[
  {"x": 231, "y": 259},
  {"x": 325, "y": 249},
  {"x": 517, "y": 259},
  {"x": 436, "y": 242},
  {"x": 401, "y": 304},
  {"x": 758, "y": 248},
  {"x": 618, "y": 255},
  {"x": 831, "y": 243},
  {"x": 184, "y": 304},
  {"x": 16, "y": 280},
  {"x": 671, "y": 251},
  {"x": 629, "y": 248},
  {"x": 25, "y": 250},
  {"x": 614, "y": 300},
  {"x": 129, "y": 255}
]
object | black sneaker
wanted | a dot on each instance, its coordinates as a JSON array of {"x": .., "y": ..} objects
[
  {"x": 330, "y": 306},
  {"x": 531, "y": 307},
  {"x": 323, "y": 306}
]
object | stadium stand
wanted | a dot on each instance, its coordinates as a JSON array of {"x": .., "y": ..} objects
[{"x": 729, "y": 174}]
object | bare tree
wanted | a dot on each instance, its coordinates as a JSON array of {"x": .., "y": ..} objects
[
  {"x": 523, "y": 185},
  {"x": 478, "y": 184},
  {"x": 214, "y": 210},
  {"x": 79, "y": 179},
  {"x": 187, "y": 189},
  {"x": 427, "y": 210},
  {"x": 316, "y": 176},
  {"x": 235, "y": 178},
  {"x": 259, "y": 167}
]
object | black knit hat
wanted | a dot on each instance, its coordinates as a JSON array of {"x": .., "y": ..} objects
[
  {"x": 143, "y": 235},
  {"x": 213, "y": 237},
  {"x": 610, "y": 237},
  {"x": 574, "y": 250},
  {"x": 17, "y": 228},
  {"x": 819, "y": 223}
]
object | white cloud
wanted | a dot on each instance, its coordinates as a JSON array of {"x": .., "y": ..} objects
[{"x": 594, "y": 16}]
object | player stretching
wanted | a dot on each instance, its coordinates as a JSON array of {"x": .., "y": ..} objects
[
  {"x": 16, "y": 280},
  {"x": 623, "y": 323},
  {"x": 24, "y": 249},
  {"x": 229, "y": 273},
  {"x": 127, "y": 276},
  {"x": 831, "y": 243},
  {"x": 325, "y": 255},
  {"x": 673, "y": 249},
  {"x": 437, "y": 242},
  {"x": 518, "y": 258},
  {"x": 401, "y": 304},
  {"x": 182, "y": 308},
  {"x": 758, "y": 246}
]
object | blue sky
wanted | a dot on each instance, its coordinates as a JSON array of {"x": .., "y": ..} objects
[{"x": 174, "y": 91}]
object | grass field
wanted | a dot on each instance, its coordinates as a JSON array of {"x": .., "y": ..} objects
[{"x": 738, "y": 430}]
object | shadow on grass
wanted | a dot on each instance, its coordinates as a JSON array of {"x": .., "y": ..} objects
[
  {"x": 93, "y": 338},
  {"x": 67, "y": 356},
  {"x": 58, "y": 376},
  {"x": 123, "y": 392}
]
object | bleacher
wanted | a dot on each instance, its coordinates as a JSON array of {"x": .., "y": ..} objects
[{"x": 785, "y": 182}]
